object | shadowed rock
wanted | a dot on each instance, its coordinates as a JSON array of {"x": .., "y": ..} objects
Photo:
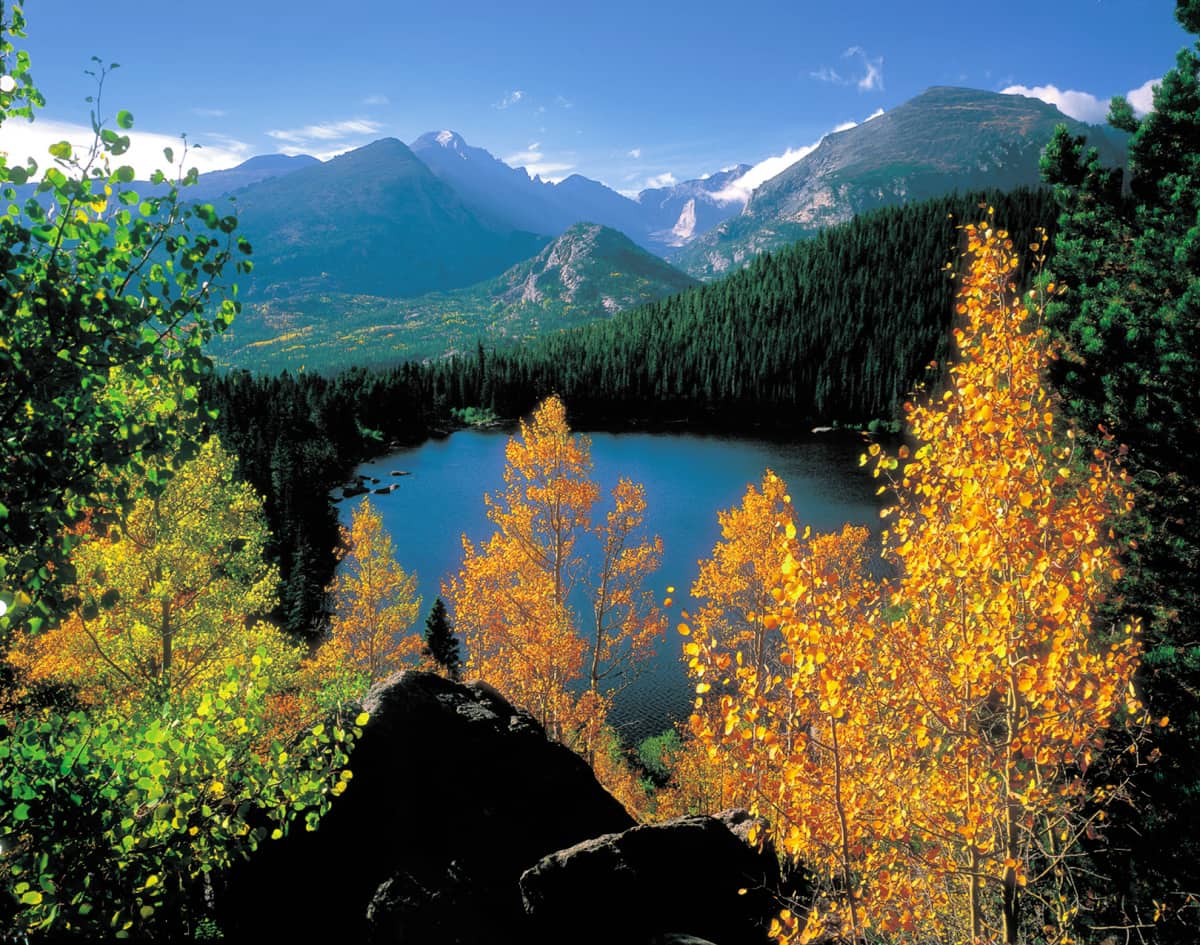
[
  {"x": 455, "y": 793},
  {"x": 658, "y": 883}
]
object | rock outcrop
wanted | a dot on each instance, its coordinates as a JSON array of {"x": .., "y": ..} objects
[
  {"x": 455, "y": 793},
  {"x": 691, "y": 876},
  {"x": 465, "y": 824}
]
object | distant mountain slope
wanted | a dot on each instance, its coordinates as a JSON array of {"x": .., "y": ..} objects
[
  {"x": 837, "y": 327},
  {"x": 210, "y": 186},
  {"x": 503, "y": 195},
  {"x": 658, "y": 219},
  {"x": 683, "y": 211},
  {"x": 374, "y": 220},
  {"x": 588, "y": 273},
  {"x": 215, "y": 184},
  {"x": 590, "y": 268},
  {"x": 945, "y": 139}
]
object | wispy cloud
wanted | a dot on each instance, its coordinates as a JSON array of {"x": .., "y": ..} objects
[
  {"x": 537, "y": 164},
  {"x": 1084, "y": 106},
  {"x": 868, "y": 77},
  {"x": 326, "y": 131},
  {"x": 872, "y": 77},
  {"x": 563, "y": 102},
  {"x": 665, "y": 179},
  {"x": 825, "y": 74},
  {"x": 739, "y": 191},
  {"x": 24, "y": 140},
  {"x": 635, "y": 153},
  {"x": 326, "y": 139},
  {"x": 376, "y": 99},
  {"x": 533, "y": 152},
  {"x": 210, "y": 112},
  {"x": 515, "y": 97}
]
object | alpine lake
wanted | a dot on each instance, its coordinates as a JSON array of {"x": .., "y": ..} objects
[{"x": 432, "y": 494}]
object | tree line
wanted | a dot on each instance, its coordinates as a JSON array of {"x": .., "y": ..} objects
[{"x": 834, "y": 329}]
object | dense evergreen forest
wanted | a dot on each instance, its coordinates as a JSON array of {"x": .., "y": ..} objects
[{"x": 835, "y": 329}]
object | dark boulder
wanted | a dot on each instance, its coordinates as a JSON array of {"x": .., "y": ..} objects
[
  {"x": 693, "y": 876},
  {"x": 455, "y": 794}
]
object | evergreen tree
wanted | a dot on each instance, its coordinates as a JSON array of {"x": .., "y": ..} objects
[
  {"x": 441, "y": 645},
  {"x": 1129, "y": 325}
]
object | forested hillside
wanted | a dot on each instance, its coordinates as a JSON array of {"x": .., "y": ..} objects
[
  {"x": 833, "y": 329},
  {"x": 589, "y": 272}
]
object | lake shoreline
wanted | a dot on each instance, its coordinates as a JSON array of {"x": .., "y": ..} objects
[{"x": 689, "y": 477}]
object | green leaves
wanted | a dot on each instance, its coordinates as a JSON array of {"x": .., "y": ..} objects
[
  {"x": 80, "y": 285},
  {"x": 119, "y": 812}
]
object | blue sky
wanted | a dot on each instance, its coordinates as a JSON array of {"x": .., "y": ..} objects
[{"x": 630, "y": 93}]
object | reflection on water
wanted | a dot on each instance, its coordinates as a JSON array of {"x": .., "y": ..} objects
[{"x": 688, "y": 478}]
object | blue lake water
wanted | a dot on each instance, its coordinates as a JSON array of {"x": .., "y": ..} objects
[{"x": 688, "y": 478}]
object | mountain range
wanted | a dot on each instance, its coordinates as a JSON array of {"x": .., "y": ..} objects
[
  {"x": 444, "y": 234},
  {"x": 588, "y": 272},
  {"x": 944, "y": 140}
]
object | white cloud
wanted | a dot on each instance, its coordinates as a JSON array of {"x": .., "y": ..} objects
[
  {"x": 24, "y": 139},
  {"x": 326, "y": 131},
  {"x": 549, "y": 170},
  {"x": 665, "y": 179},
  {"x": 1142, "y": 98},
  {"x": 531, "y": 153},
  {"x": 872, "y": 71},
  {"x": 825, "y": 74},
  {"x": 1082, "y": 106},
  {"x": 210, "y": 112},
  {"x": 323, "y": 154},
  {"x": 739, "y": 190},
  {"x": 512, "y": 98},
  {"x": 635, "y": 153},
  {"x": 376, "y": 99},
  {"x": 872, "y": 78},
  {"x": 536, "y": 164}
]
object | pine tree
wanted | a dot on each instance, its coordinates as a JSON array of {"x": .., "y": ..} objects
[
  {"x": 441, "y": 645},
  {"x": 1129, "y": 328}
]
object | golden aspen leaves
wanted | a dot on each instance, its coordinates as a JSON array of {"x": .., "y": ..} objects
[{"x": 927, "y": 729}]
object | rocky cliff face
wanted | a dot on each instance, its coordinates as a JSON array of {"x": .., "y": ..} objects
[
  {"x": 465, "y": 824},
  {"x": 941, "y": 141}
]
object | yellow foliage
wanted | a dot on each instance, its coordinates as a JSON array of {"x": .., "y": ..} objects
[
  {"x": 169, "y": 597},
  {"x": 919, "y": 743},
  {"x": 375, "y": 606},
  {"x": 515, "y": 595}
]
